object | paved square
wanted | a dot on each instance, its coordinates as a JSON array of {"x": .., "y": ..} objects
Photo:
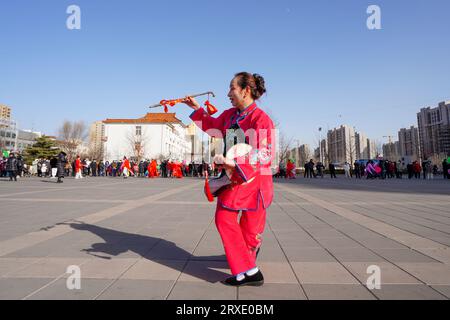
[{"x": 156, "y": 239}]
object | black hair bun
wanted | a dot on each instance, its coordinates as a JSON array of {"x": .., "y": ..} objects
[{"x": 260, "y": 85}]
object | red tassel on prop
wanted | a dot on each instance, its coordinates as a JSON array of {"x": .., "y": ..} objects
[
  {"x": 210, "y": 108},
  {"x": 166, "y": 109},
  {"x": 207, "y": 190}
]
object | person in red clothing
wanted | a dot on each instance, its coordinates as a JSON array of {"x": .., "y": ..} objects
[
  {"x": 290, "y": 167},
  {"x": 78, "y": 168},
  {"x": 152, "y": 169},
  {"x": 126, "y": 169},
  {"x": 417, "y": 169},
  {"x": 176, "y": 170},
  {"x": 251, "y": 188},
  {"x": 170, "y": 169}
]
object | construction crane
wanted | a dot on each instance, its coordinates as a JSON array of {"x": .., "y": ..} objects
[{"x": 389, "y": 137}]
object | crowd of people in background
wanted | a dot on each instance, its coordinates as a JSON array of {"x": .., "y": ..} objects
[
  {"x": 371, "y": 169},
  {"x": 56, "y": 167},
  {"x": 14, "y": 167}
]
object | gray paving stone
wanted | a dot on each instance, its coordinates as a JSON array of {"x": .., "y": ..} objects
[
  {"x": 272, "y": 291},
  {"x": 407, "y": 292},
  {"x": 47, "y": 268},
  {"x": 389, "y": 273},
  {"x": 379, "y": 243},
  {"x": 322, "y": 273},
  {"x": 271, "y": 254},
  {"x": 338, "y": 243},
  {"x": 445, "y": 290},
  {"x": 205, "y": 271},
  {"x": 403, "y": 255},
  {"x": 13, "y": 289},
  {"x": 137, "y": 290},
  {"x": 429, "y": 273},
  {"x": 296, "y": 254},
  {"x": 337, "y": 292},
  {"x": 89, "y": 289},
  {"x": 9, "y": 265},
  {"x": 194, "y": 290},
  {"x": 154, "y": 270},
  {"x": 355, "y": 255}
]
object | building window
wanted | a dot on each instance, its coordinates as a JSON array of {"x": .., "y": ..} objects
[{"x": 138, "y": 130}]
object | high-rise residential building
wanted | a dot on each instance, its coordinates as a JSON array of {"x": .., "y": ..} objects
[
  {"x": 342, "y": 144},
  {"x": 196, "y": 137},
  {"x": 362, "y": 147},
  {"x": 409, "y": 144},
  {"x": 304, "y": 154},
  {"x": 300, "y": 155},
  {"x": 8, "y": 134},
  {"x": 373, "y": 150},
  {"x": 96, "y": 139},
  {"x": 434, "y": 130},
  {"x": 391, "y": 151},
  {"x": 5, "y": 112}
]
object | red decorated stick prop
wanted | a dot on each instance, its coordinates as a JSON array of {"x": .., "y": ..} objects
[{"x": 166, "y": 103}]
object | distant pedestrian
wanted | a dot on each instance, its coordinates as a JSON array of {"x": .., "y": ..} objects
[
  {"x": 332, "y": 170},
  {"x": 61, "y": 164},
  {"x": 445, "y": 169},
  {"x": 357, "y": 167},
  {"x": 11, "y": 167},
  {"x": 347, "y": 170}
]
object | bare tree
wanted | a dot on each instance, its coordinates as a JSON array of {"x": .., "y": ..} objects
[
  {"x": 95, "y": 153},
  {"x": 71, "y": 135},
  {"x": 351, "y": 149},
  {"x": 285, "y": 145},
  {"x": 137, "y": 143}
]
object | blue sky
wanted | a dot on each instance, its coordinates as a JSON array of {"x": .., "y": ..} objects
[{"x": 322, "y": 65}]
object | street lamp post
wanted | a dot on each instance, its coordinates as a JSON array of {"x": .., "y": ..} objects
[{"x": 320, "y": 145}]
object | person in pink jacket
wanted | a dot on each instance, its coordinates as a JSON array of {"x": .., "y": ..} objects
[{"x": 251, "y": 188}]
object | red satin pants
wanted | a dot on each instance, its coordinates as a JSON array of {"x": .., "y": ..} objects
[{"x": 241, "y": 238}]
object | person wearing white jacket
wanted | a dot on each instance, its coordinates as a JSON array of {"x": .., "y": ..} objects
[{"x": 347, "y": 170}]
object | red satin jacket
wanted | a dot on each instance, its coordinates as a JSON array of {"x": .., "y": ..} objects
[{"x": 252, "y": 178}]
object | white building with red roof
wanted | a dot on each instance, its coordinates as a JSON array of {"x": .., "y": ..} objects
[{"x": 154, "y": 136}]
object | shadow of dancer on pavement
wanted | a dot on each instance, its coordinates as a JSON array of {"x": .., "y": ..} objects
[{"x": 155, "y": 249}]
